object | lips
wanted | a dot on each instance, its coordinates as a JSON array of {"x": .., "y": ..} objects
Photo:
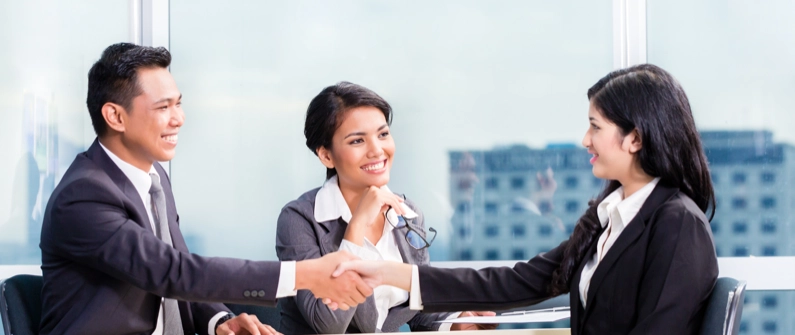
[
  {"x": 594, "y": 157},
  {"x": 170, "y": 138},
  {"x": 374, "y": 166}
]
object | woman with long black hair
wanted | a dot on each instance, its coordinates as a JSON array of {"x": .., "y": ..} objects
[{"x": 641, "y": 260}]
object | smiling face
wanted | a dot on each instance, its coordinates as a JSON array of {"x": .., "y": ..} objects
[
  {"x": 148, "y": 131},
  {"x": 362, "y": 149},
  {"x": 613, "y": 154}
]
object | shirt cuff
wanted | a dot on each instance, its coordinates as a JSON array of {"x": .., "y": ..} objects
[
  {"x": 415, "y": 299},
  {"x": 366, "y": 252},
  {"x": 286, "y": 286},
  {"x": 445, "y": 326},
  {"x": 213, "y": 321}
]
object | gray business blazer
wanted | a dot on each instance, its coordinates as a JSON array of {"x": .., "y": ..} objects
[{"x": 299, "y": 236}]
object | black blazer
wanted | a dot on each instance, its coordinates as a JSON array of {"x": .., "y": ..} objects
[
  {"x": 105, "y": 270},
  {"x": 655, "y": 279}
]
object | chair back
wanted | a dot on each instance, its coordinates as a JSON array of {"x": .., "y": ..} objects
[
  {"x": 268, "y": 315},
  {"x": 20, "y": 304},
  {"x": 724, "y": 308}
]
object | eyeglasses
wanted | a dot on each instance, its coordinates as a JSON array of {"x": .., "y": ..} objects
[{"x": 413, "y": 237}]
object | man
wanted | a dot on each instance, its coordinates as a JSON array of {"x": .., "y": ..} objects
[{"x": 113, "y": 258}]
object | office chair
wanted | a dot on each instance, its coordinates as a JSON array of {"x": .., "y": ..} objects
[
  {"x": 724, "y": 308},
  {"x": 20, "y": 304}
]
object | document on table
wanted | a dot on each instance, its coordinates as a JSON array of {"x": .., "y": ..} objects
[{"x": 541, "y": 315}]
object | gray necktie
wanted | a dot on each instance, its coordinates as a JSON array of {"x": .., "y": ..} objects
[{"x": 172, "y": 321}]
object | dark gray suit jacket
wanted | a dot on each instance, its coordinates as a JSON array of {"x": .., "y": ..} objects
[
  {"x": 299, "y": 236},
  {"x": 105, "y": 270},
  {"x": 655, "y": 279}
]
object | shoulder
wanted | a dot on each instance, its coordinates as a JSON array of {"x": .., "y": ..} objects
[
  {"x": 679, "y": 214},
  {"x": 83, "y": 179},
  {"x": 304, "y": 205}
]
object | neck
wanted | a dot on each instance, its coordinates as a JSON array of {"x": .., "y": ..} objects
[
  {"x": 115, "y": 145},
  {"x": 351, "y": 195},
  {"x": 635, "y": 181}
]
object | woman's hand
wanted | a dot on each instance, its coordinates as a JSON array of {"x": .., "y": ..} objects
[
  {"x": 375, "y": 201},
  {"x": 474, "y": 326}
]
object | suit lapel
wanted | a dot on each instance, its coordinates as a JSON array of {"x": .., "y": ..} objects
[
  {"x": 574, "y": 291},
  {"x": 634, "y": 229},
  {"x": 98, "y": 155}
]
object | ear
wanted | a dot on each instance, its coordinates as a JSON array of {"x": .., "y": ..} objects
[
  {"x": 113, "y": 116},
  {"x": 633, "y": 141},
  {"x": 325, "y": 157}
]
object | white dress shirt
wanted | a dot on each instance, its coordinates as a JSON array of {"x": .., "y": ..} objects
[
  {"x": 614, "y": 213},
  {"x": 142, "y": 183},
  {"x": 331, "y": 205}
]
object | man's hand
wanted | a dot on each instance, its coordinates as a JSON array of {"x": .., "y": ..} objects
[
  {"x": 474, "y": 326},
  {"x": 245, "y": 324},
  {"x": 370, "y": 271},
  {"x": 345, "y": 290}
]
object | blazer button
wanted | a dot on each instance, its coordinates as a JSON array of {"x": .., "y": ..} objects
[
  {"x": 247, "y": 294},
  {"x": 261, "y": 293}
]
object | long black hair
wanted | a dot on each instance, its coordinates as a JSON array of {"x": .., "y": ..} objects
[
  {"x": 649, "y": 100},
  {"x": 326, "y": 112}
]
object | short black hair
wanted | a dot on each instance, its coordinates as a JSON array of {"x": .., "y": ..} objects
[
  {"x": 113, "y": 78},
  {"x": 327, "y": 110}
]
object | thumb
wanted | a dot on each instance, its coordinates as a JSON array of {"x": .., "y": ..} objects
[{"x": 340, "y": 270}]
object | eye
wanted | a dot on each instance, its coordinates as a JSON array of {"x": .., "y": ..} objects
[
  {"x": 163, "y": 107},
  {"x": 384, "y": 134},
  {"x": 357, "y": 141},
  {"x": 594, "y": 126},
  {"x": 179, "y": 103}
]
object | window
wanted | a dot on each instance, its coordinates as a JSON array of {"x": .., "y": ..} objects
[
  {"x": 545, "y": 207},
  {"x": 517, "y": 183},
  {"x": 463, "y": 207},
  {"x": 739, "y": 203},
  {"x": 491, "y": 208},
  {"x": 740, "y": 251},
  {"x": 517, "y": 208},
  {"x": 770, "y": 327},
  {"x": 740, "y": 227},
  {"x": 738, "y": 178},
  {"x": 492, "y": 231},
  {"x": 569, "y": 228},
  {"x": 769, "y": 250},
  {"x": 517, "y": 254},
  {"x": 572, "y": 182},
  {"x": 492, "y": 183},
  {"x": 492, "y": 254},
  {"x": 715, "y": 227},
  {"x": 768, "y": 226},
  {"x": 769, "y": 301},
  {"x": 465, "y": 255},
  {"x": 463, "y": 231},
  {"x": 572, "y": 206},
  {"x": 768, "y": 202},
  {"x": 518, "y": 230},
  {"x": 544, "y": 230},
  {"x": 768, "y": 177}
]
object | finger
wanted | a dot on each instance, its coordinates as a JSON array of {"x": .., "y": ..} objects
[
  {"x": 343, "y": 306},
  {"x": 334, "y": 306},
  {"x": 247, "y": 323},
  {"x": 341, "y": 268},
  {"x": 267, "y": 330},
  {"x": 326, "y": 301},
  {"x": 364, "y": 288}
]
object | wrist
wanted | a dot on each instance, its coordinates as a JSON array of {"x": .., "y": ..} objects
[
  {"x": 304, "y": 274},
  {"x": 223, "y": 319}
]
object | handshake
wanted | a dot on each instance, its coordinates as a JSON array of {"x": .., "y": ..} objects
[{"x": 342, "y": 280}]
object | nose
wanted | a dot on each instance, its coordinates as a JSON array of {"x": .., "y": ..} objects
[
  {"x": 375, "y": 149},
  {"x": 586, "y": 140},
  {"x": 177, "y": 117}
]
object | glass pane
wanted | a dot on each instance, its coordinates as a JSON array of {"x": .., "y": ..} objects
[
  {"x": 734, "y": 59},
  {"x": 47, "y": 50},
  {"x": 462, "y": 77}
]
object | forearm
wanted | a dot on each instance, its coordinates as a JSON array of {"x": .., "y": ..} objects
[{"x": 396, "y": 274}]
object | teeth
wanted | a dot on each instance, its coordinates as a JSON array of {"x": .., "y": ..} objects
[
  {"x": 170, "y": 138},
  {"x": 376, "y": 166}
]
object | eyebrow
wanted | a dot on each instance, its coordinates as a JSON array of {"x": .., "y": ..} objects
[
  {"x": 359, "y": 133},
  {"x": 591, "y": 118},
  {"x": 167, "y": 100}
]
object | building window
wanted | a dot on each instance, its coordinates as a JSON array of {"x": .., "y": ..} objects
[
  {"x": 517, "y": 183},
  {"x": 544, "y": 230},
  {"x": 492, "y": 183},
  {"x": 769, "y": 302},
  {"x": 715, "y": 227},
  {"x": 465, "y": 255},
  {"x": 463, "y": 207},
  {"x": 738, "y": 178},
  {"x": 545, "y": 207},
  {"x": 740, "y": 227},
  {"x": 744, "y": 326},
  {"x": 517, "y": 254},
  {"x": 769, "y": 250},
  {"x": 768, "y": 177},
  {"x": 491, "y": 208},
  {"x": 492, "y": 254},
  {"x": 572, "y": 206},
  {"x": 572, "y": 182},
  {"x": 770, "y": 327},
  {"x": 463, "y": 231},
  {"x": 518, "y": 230},
  {"x": 517, "y": 208},
  {"x": 569, "y": 228},
  {"x": 768, "y": 202},
  {"x": 492, "y": 231},
  {"x": 739, "y": 203},
  {"x": 768, "y": 226},
  {"x": 740, "y": 251}
]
